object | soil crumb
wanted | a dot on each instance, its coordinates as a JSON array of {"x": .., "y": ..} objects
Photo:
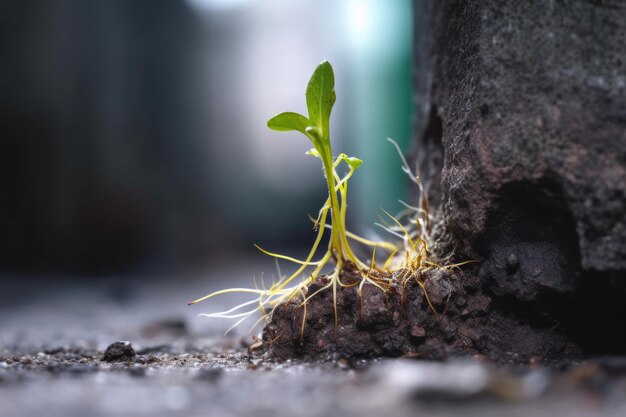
[{"x": 119, "y": 352}]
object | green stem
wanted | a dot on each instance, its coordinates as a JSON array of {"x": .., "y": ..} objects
[{"x": 335, "y": 211}]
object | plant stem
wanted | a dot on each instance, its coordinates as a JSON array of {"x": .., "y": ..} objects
[
  {"x": 335, "y": 216},
  {"x": 338, "y": 240}
]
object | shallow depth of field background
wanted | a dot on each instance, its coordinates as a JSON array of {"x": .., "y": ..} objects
[{"x": 134, "y": 139}]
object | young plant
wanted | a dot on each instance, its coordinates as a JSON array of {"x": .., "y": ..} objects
[
  {"x": 320, "y": 98},
  {"x": 407, "y": 263}
]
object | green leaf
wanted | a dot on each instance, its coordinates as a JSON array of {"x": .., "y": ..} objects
[
  {"x": 289, "y": 121},
  {"x": 354, "y": 162},
  {"x": 320, "y": 97},
  {"x": 313, "y": 152}
]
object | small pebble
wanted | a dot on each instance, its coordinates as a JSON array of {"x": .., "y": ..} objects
[
  {"x": 119, "y": 351},
  {"x": 418, "y": 332},
  {"x": 343, "y": 363},
  {"x": 512, "y": 263}
]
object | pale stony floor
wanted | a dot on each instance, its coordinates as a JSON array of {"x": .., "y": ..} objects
[{"x": 52, "y": 341}]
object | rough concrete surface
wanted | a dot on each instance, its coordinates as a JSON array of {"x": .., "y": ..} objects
[
  {"x": 53, "y": 343},
  {"x": 524, "y": 107},
  {"x": 522, "y": 147}
]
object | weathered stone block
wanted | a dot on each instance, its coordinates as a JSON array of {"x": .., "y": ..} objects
[{"x": 522, "y": 135}]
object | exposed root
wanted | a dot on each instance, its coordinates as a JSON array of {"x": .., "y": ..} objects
[{"x": 408, "y": 260}]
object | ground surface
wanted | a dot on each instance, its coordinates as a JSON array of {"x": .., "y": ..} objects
[{"x": 52, "y": 348}]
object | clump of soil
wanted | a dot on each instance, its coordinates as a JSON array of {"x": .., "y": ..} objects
[
  {"x": 460, "y": 319},
  {"x": 119, "y": 352}
]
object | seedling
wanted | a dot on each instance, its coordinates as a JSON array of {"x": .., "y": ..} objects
[
  {"x": 320, "y": 98},
  {"x": 410, "y": 258}
]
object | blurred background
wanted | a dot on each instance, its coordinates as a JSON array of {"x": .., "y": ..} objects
[{"x": 133, "y": 132}]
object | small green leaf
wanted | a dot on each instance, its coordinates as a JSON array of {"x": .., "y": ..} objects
[
  {"x": 354, "y": 162},
  {"x": 313, "y": 152},
  {"x": 289, "y": 121},
  {"x": 320, "y": 96}
]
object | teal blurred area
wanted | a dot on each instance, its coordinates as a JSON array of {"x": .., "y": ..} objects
[
  {"x": 380, "y": 65},
  {"x": 134, "y": 136}
]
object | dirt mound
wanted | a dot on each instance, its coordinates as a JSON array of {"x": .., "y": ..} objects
[{"x": 438, "y": 314}]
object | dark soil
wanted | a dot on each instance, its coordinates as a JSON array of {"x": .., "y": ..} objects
[{"x": 464, "y": 320}]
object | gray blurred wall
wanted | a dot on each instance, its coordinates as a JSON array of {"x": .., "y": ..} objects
[{"x": 99, "y": 163}]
